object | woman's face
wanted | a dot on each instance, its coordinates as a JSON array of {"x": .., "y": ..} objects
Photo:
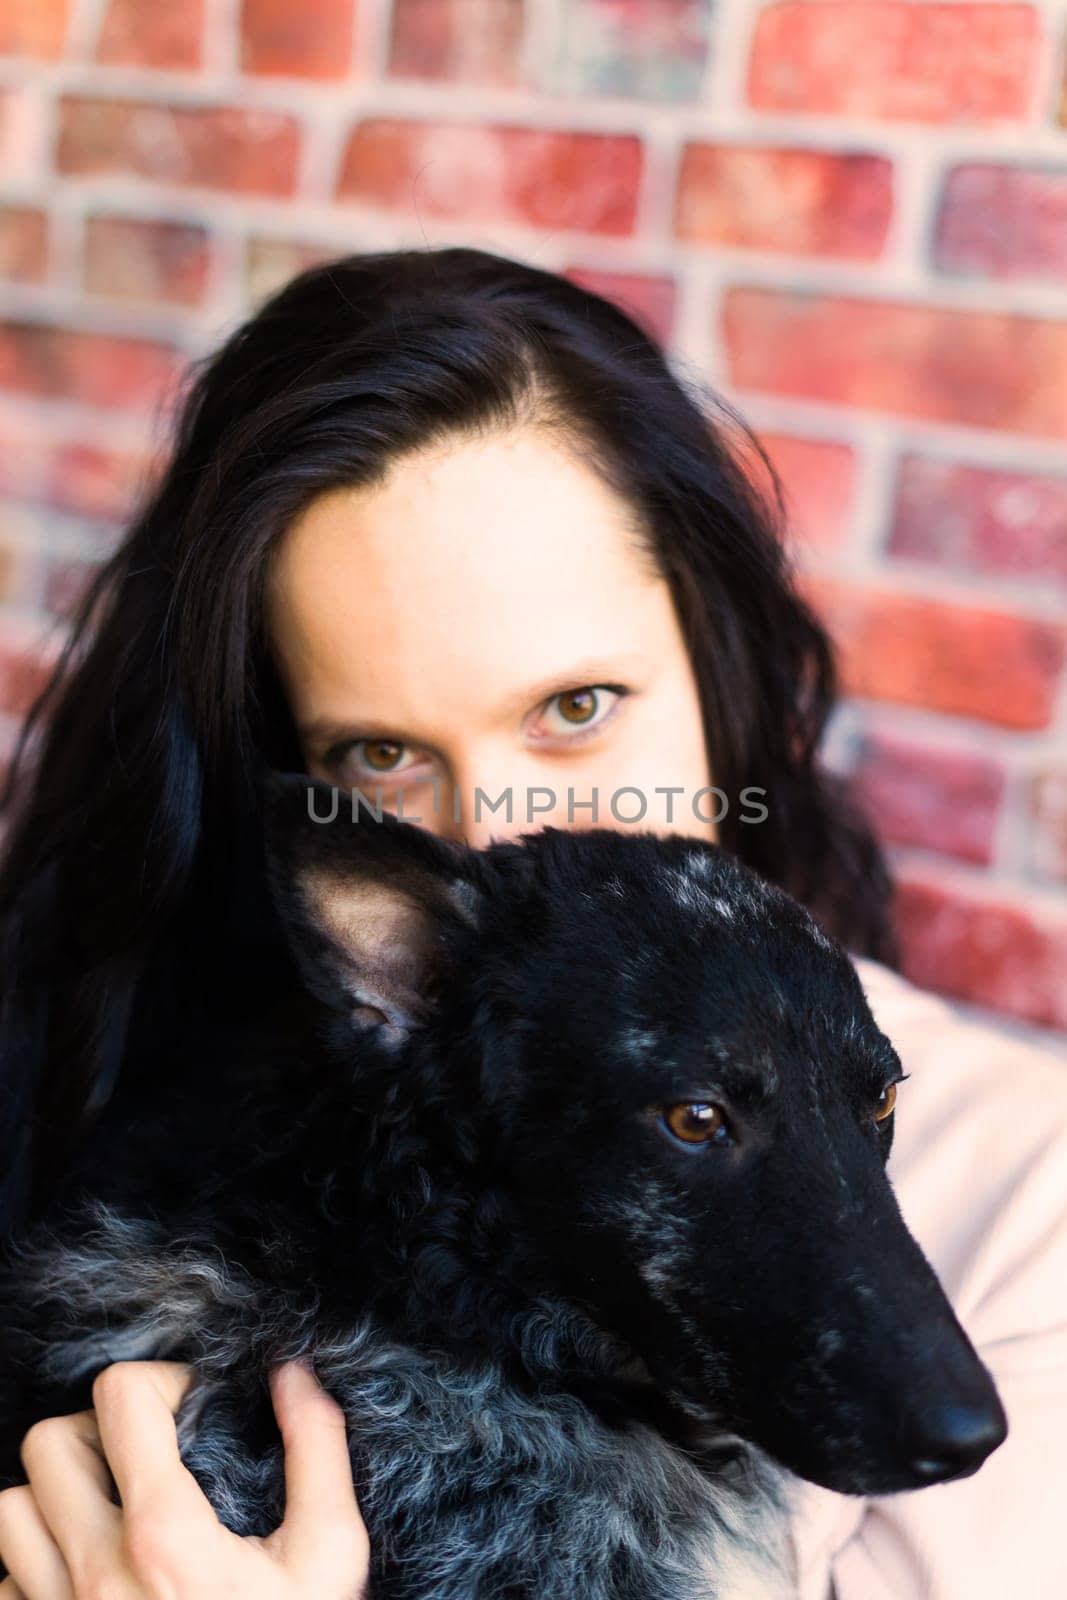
[{"x": 487, "y": 620}]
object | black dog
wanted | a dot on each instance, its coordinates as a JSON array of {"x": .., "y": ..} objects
[{"x": 567, "y": 1170}]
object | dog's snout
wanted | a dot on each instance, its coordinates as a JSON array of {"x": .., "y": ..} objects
[
  {"x": 952, "y": 1441},
  {"x": 895, "y": 1369}
]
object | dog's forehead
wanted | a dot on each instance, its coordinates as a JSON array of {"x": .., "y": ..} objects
[
  {"x": 713, "y": 888},
  {"x": 617, "y": 865},
  {"x": 756, "y": 1043},
  {"x": 697, "y": 884},
  {"x": 631, "y": 911},
  {"x": 623, "y": 866},
  {"x": 665, "y": 967},
  {"x": 699, "y": 952}
]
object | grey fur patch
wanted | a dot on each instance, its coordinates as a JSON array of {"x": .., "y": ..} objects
[{"x": 472, "y": 1485}]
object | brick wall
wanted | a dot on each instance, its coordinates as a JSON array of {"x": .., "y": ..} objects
[{"x": 849, "y": 215}]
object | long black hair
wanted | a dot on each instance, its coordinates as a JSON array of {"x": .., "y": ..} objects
[{"x": 129, "y": 885}]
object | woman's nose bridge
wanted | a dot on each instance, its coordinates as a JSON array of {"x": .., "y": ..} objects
[{"x": 499, "y": 795}]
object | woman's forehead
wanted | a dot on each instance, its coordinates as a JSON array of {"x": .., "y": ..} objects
[
  {"x": 498, "y": 562},
  {"x": 481, "y": 517}
]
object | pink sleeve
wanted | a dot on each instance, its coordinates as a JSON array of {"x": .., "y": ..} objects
[{"x": 979, "y": 1165}]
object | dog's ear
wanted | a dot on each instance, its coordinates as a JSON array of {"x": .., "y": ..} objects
[{"x": 373, "y": 907}]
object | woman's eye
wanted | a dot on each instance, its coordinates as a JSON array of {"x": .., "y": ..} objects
[
  {"x": 886, "y": 1101},
  {"x": 697, "y": 1122},
  {"x": 574, "y": 709},
  {"x": 381, "y": 757}
]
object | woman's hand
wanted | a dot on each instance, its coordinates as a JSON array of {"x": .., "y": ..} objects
[{"x": 62, "y": 1537}]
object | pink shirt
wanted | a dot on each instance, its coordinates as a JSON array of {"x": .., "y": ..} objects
[{"x": 979, "y": 1165}]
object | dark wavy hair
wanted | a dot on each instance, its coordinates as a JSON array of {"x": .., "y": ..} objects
[{"x": 131, "y": 898}]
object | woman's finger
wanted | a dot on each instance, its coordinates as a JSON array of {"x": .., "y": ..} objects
[
  {"x": 322, "y": 1529},
  {"x": 135, "y": 1404},
  {"x": 70, "y": 1483},
  {"x": 33, "y": 1559}
]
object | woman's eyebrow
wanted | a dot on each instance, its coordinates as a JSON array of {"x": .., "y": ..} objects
[{"x": 328, "y": 730}]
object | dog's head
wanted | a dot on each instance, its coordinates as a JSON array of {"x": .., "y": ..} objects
[{"x": 688, "y": 1100}]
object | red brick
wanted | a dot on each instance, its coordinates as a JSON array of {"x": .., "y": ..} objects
[
  {"x": 649, "y": 298},
  {"x": 90, "y": 480},
  {"x": 633, "y": 49},
  {"x": 23, "y": 244},
  {"x": 984, "y": 950},
  {"x": 1046, "y": 832},
  {"x": 793, "y": 201},
  {"x": 818, "y": 480},
  {"x": 270, "y": 263},
  {"x": 887, "y": 58},
  {"x": 311, "y": 39},
  {"x": 100, "y": 369},
  {"x": 213, "y": 147},
  {"x": 977, "y": 519},
  {"x": 24, "y": 117},
  {"x": 132, "y": 259},
  {"x": 989, "y": 369},
  {"x": 1003, "y": 222},
  {"x": 965, "y": 660},
  {"x": 65, "y": 583},
  {"x": 101, "y": 483},
  {"x": 925, "y": 795},
  {"x": 33, "y": 27},
  {"x": 26, "y": 657},
  {"x": 16, "y": 565},
  {"x": 457, "y": 41},
  {"x": 27, "y": 456},
  {"x": 473, "y": 173},
  {"x": 145, "y": 33}
]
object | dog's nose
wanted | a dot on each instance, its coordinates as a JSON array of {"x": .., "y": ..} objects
[{"x": 954, "y": 1441}]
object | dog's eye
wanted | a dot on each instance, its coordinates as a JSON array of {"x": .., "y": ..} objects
[
  {"x": 886, "y": 1101},
  {"x": 696, "y": 1122}
]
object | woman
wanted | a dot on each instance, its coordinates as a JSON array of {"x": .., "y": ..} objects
[{"x": 442, "y": 523}]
